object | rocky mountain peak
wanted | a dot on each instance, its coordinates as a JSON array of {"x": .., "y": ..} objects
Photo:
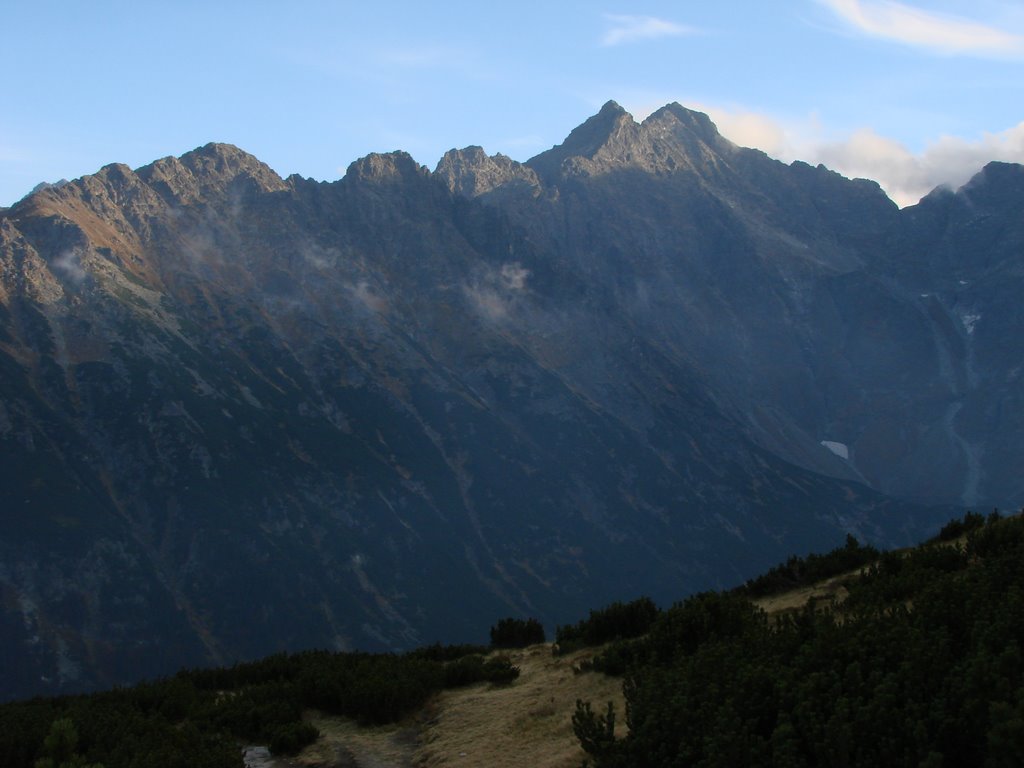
[
  {"x": 605, "y": 139},
  {"x": 471, "y": 172},
  {"x": 88, "y": 207},
  {"x": 610, "y": 123},
  {"x": 671, "y": 138},
  {"x": 686, "y": 126},
  {"x": 997, "y": 181},
  {"x": 698, "y": 122},
  {"x": 223, "y": 160},
  {"x": 390, "y": 167},
  {"x": 108, "y": 180},
  {"x": 47, "y": 185},
  {"x": 212, "y": 171},
  {"x": 116, "y": 180}
]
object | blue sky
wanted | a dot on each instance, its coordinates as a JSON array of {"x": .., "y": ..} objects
[{"x": 910, "y": 93}]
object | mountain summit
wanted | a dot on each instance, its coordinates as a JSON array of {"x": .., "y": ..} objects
[
  {"x": 242, "y": 414},
  {"x": 669, "y": 139}
]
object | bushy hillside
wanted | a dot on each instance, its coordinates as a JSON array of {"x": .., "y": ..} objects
[
  {"x": 917, "y": 663},
  {"x": 920, "y": 664}
]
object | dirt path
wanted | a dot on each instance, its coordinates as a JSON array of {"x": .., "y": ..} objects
[
  {"x": 260, "y": 757},
  {"x": 343, "y": 744},
  {"x": 527, "y": 724}
]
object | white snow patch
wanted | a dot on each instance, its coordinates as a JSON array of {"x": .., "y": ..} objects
[{"x": 839, "y": 449}]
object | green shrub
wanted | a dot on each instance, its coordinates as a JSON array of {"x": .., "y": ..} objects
[
  {"x": 290, "y": 738},
  {"x": 516, "y": 633},
  {"x": 464, "y": 671},
  {"x": 803, "y": 571},
  {"x": 438, "y": 652},
  {"x": 500, "y": 670},
  {"x": 618, "y": 621},
  {"x": 954, "y": 529}
]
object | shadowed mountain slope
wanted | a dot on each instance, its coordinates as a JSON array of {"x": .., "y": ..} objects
[{"x": 240, "y": 413}]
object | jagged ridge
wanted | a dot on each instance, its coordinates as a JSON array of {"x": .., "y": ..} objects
[{"x": 255, "y": 410}]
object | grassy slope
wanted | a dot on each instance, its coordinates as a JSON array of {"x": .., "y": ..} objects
[
  {"x": 527, "y": 724},
  {"x": 832, "y": 588}
]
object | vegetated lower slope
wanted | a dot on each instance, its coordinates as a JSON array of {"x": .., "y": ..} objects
[
  {"x": 918, "y": 663},
  {"x": 202, "y": 717}
]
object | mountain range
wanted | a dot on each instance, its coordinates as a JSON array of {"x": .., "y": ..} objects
[{"x": 242, "y": 414}]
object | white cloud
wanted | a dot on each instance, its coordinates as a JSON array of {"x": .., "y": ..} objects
[
  {"x": 69, "y": 263},
  {"x": 487, "y": 302},
  {"x": 750, "y": 129},
  {"x": 912, "y": 26},
  {"x": 630, "y": 29},
  {"x": 11, "y": 154},
  {"x": 514, "y": 276},
  {"x": 367, "y": 297},
  {"x": 905, "y": 176},
  {"x": 496, "y": 294}
]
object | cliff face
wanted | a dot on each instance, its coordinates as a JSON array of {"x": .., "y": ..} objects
[
  {"x": 808, "y": 302},
  {"x": 240, "y": 414}
]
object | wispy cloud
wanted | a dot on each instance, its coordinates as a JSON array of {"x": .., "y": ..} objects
[
  {"x": 426, "y": 57},
  {"x": 497, "y": 296},
  {"x": 69, "y": 263},
  {"x": 514, "y": 276},
  {"x": 629, "y": 29},
  {"x": 12, "y": 154},
  {"x": 905, "y": 176},
  {"x": 940, "y": 33}
]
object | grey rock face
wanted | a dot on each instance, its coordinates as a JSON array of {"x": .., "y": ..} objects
[
  {"x": 471, "y": 172},
  {"x": 241, "y": 414}
]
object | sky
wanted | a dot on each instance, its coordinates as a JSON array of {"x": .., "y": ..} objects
[{"x": 912, "y": 94}]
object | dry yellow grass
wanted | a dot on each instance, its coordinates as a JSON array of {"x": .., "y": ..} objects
[
  {"x": 344, "y": 744},
  {"x": 527, "y": 724},
  {"x": 823, "y": 591}
]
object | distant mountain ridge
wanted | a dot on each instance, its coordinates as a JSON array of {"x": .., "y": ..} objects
[{"x": 241, "y": 413}]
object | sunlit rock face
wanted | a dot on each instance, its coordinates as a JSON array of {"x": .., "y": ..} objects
[{"x": 242, "y": 414}]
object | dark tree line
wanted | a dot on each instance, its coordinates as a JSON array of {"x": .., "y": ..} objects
[
  {"x": 198, "y": 718},
  {"x": 920, "y": 666},
  {"x": 516, "y": 633},
  {"x": 618, "y": 621},
  {"x": 803, "y": 571}
]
